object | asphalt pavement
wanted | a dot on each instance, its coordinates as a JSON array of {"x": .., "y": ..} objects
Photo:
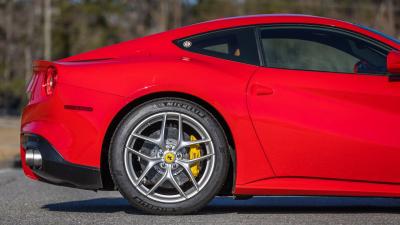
[{"x": 23, "y": 201}]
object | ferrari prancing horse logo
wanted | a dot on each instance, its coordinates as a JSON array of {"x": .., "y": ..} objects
[{"x": 169, "y": 157}]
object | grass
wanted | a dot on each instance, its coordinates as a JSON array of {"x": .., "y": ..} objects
[{"x": 9, "y": 138}]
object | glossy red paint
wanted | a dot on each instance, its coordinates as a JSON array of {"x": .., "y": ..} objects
[
  {"x": 328, "y": 125},
  {"x": 295, "y": 132}
]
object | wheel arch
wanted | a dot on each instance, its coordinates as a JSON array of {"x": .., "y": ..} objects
[{"x": 108, "y": 183}]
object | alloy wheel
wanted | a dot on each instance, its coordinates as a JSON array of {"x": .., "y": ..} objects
[{"x": 159, "y": 159}]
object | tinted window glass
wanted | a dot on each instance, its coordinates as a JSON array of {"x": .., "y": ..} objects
[
  {"x": 321, "y": 50},
  {"x": 234, "y": 44}
]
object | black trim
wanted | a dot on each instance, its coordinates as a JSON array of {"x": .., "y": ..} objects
[
  {"x": 260, "y": 48},
  {"x": 56, "y": 170},
  {"x": 245, "y": 36}
]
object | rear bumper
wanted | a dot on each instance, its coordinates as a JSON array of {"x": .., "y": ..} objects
[
  {"x": 54, "y": 169},
  {"x": 69, "y": 137}
]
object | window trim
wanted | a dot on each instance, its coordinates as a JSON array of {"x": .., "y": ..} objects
[
  {"x": 260, "y": 51},
  {"x": 260, "y": 48},
  {"x": 205, "y": 34},
  {"x": 370, "y": 40}
]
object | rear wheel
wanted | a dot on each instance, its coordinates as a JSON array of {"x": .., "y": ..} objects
[{"x": 169, "y": 156}]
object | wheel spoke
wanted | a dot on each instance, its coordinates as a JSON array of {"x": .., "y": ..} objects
[
  {"x": 150, "y": 165},
  {"x": 191, "y": 161},
  {"x": 141, "y": 155},
  {"x": 180, "y": 131},
  {"x": 149, "y": 139},
  {"x": 160, "y": 182},
  {"x": 190, "y": 174},
  {"x": 161, "y": 140},
  {"x": 189, "y": 143},
  {"x": 174, "y": 183}
]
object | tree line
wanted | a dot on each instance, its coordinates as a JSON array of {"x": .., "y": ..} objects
[{"x": 53, "y": 29}]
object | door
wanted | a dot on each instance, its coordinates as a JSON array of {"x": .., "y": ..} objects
[{"x": 323, "y": 106}]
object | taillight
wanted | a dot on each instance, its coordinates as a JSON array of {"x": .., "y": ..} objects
[{"x": 50, "y": 80}]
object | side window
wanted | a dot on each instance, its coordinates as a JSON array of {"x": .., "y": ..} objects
[
  {"x": 319, "y": 49},
  {"x": 234, "y": 44}
]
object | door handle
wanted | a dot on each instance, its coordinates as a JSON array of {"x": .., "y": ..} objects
[{"x": 261, "y": 90}]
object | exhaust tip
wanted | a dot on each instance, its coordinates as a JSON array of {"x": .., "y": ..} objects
[{"x": 33, "y": 158}]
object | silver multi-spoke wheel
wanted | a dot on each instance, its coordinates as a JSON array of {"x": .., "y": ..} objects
[{"x": 169, "y": 157}]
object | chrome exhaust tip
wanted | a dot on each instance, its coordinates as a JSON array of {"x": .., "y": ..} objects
[{"x": 33, "y": 158}]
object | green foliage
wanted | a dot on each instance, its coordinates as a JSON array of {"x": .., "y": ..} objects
[{"x": 84, "y": 25}]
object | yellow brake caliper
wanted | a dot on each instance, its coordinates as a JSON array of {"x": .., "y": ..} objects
[{"x": 194, "y": 153}]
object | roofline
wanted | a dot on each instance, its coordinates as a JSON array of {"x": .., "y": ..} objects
[
  {"x": 259, "y": 19},
  {"x": 268, "y": 15},
  {"x": 256, "y": 19}
]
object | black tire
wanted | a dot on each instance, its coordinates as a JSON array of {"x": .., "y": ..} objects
[{"x": 176, "y": 105}]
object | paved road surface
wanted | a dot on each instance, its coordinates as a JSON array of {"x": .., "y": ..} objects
[{"x": 27, "y": 202}]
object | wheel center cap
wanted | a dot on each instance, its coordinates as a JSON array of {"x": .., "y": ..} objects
[{"x": 169, "y": 157}]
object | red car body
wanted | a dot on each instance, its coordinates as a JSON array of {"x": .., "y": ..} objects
[{"x": 293, "y": 132}]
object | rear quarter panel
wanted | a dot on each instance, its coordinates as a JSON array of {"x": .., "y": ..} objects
[{"x": 219, "y": 82}]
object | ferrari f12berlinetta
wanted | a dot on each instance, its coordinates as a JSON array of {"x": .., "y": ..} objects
[{"x": 255, "y": 105}]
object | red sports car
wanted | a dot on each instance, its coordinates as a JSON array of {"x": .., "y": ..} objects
[{"x": 255, "y": 105}]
